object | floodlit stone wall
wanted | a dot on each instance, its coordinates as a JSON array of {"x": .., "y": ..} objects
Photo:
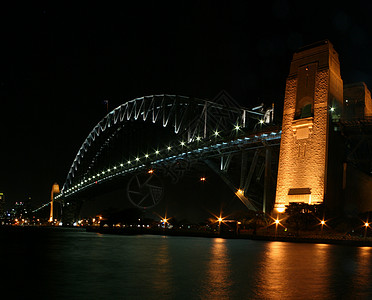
[{"x": 302, "y": 172}]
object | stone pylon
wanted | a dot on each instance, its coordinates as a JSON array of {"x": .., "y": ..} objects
[{"x": 313, "y": 97}]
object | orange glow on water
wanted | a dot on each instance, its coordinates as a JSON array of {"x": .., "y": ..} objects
[
  {"x": 278, "y": 270},
  {"x": 217, "y": 285}
]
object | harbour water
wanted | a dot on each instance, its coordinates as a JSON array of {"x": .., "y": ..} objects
[{"x": 74, "y": 264}]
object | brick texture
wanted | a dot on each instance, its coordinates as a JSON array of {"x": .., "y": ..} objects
[{"x": 303, "y": 157}]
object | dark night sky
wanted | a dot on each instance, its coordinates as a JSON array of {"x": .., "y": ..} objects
[{"x": 59, "y": 63}]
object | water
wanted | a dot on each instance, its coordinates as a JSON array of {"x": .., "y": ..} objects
[{"x": 73, "y": 264}]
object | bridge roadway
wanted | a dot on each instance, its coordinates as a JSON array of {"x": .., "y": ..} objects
[{"x": 194, "y": 151}]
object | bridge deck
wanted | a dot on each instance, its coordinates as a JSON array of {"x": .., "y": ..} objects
[{"x": 191, "y": 151}]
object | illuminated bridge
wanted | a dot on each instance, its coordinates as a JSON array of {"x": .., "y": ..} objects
[
  {"x": 324, "y": 156},
  {"x": 167, "y": 136}
]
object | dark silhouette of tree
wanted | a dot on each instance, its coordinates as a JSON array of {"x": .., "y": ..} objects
[
  {"x": 302, "y": 216},
  {"x": 257, "y": 221},
  {"x": 125, "y": 216}
]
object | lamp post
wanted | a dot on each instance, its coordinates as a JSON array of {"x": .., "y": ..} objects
[
  {"x": 322, "y": 222},
  {"x": 219, "y": 225},
  {"x": 366, "y": 225},
  {"x": 165, "y": 221},
  {"x": 276, "y": 226}
]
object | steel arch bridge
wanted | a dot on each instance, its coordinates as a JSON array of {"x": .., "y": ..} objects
[{"x": 188, "y": 129}]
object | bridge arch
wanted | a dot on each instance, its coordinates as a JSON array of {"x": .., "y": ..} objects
[{"x": 191, "y": 120}]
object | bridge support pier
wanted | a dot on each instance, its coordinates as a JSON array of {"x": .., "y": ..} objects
[
  {"x": 267, "y": 182},
  {"x": 313, "y": 98}
]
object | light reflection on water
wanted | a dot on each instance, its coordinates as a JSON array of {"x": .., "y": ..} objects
[
  {"x": 218, "y": 282},
  {"x": 294, "y": 271},
  {"x": 162, "y": 280},
  {"x": 80, "y": 265},
  {"x": 362, "y": 274}
]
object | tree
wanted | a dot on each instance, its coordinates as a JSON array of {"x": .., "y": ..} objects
[
  {"x": 126, "y": 216},
  {"x": 257, "y": 221},
  {"x": 302, "y": 215}
]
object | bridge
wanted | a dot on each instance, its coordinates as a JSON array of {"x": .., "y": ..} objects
[
  {"x": 165, "y": 135},
  {"x": 325, "y": 129}
]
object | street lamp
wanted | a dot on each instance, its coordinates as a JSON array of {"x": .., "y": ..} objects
[
  {"x": 366, "y": 225},
  {"x": 219, "y": 225},
  {"x": 277, "y": 222},
  {"x": 322, "y": 223},
  {"x": 164, "y": 221},
  {"x": 280, "y": 208}
]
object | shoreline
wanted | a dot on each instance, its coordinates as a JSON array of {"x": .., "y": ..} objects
[
  {"x": 331, "y": 240},
  {"x": 336, "y": 240}
]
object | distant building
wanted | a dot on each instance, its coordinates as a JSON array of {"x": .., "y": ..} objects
[
  {"x": 2, "y": 204},
  {"x": 20, "y": 210}
]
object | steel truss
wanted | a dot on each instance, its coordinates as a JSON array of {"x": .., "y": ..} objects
[
  {"x": 203, "y": 152},
  {"x": 358, "y": 143},
  {"x": 208, "y": 131},
  {"x": 191, "y": 118}
]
